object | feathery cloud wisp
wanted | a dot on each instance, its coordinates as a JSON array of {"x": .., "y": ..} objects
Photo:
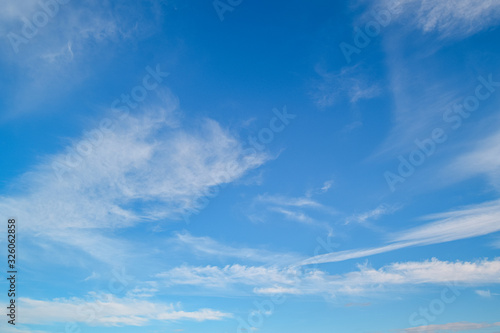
[
  {"x": 146, "y": 169},
  {"x": 472, "y": 221}
]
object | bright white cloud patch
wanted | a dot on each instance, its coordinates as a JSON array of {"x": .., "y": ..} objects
[
  {"x": 472, "y": 221},
  {"x": 287, "y": 280},
  {"x": 484, "y": 293},
  {"x": 107, "y": 310}
]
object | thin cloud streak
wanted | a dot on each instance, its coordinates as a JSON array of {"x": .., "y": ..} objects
[
  {"x": 107, "y": 310},
  {"x": 472, "y": 221}
]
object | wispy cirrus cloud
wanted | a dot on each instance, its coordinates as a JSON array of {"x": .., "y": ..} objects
[
  {"x": 327, "y": 186},
  {"x": 293, "y": 215},
  {"x": 421, "y": 94},
  {"x": 303, "y": 209},
  {"x": 53, "y": 58},
  {"x": 209, "y": 247},
  {"x": 148, "y": 168},
  {"x": 471, "y": 221},
  {"x": 347, "y": 83},
  {"x": 373, "y": 214},
  {"x": 280, "y": 200},
  {"x": 95, "y": 21},
  {"x": 448, "y": 18},
  {"x": 482, "y": 160}
]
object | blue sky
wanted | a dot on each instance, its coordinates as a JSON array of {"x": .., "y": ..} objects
[{"x": 238, "y": 166}]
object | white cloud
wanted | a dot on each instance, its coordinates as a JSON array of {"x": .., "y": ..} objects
[
  {"x": 346, "y": 83},
  {"x": 293, "y": 280},
  {"x": 288, "y": 201},
  {"x": 435, "y": 271},
  {"x": 471, "y": 221},
  {"x": 146, "y": 169},
  {"x": 277, "y": 290},
  {"x": 216, "y": 277},
  {"x": 484, "y": 293},
  {"x": 421, "y": 96},
  {"x": 454, "y": 327},
  {"x": 448, "y": 18},
  {"x": 302, "y": 209},
  {"x": 147, "y": 289},
  {"x": 92, "y": 276},
  {"x": 201, "y": 315},
  {"x": 353, "y": 254},
  {"x": 94, "y": 22},
  {"x": 107, "y": 310},
  {"x": 372, "y": 214},
  {"x": 419, "y": 99},
  {"x": 293, "y": 215},
  {"x": 326, "y": 186}
]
